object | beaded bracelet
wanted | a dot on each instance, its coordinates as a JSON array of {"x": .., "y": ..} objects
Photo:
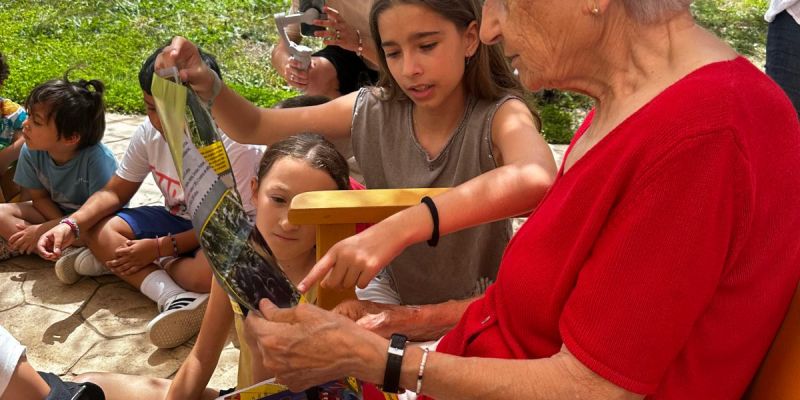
[
  {"x": 158, "y": 247},
  {"x": 425, "y": 351},
  {"x": 215, "y": 89},
  {"x": 73, "y": 226},
  {"x": 174, "y": 244}
]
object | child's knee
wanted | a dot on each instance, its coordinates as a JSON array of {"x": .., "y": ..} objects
[
  {"x": 111, "y": 227},
  {"x": 6, "y": 211}
]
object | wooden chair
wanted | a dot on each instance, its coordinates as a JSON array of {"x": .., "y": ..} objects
[
  {"x": 336, "y": 213},
  {"x": 779, "y": 375}
]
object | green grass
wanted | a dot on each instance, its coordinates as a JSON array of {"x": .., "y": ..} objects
[{"x": 109, "y": 39}]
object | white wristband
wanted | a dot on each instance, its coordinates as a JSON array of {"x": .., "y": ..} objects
[
  {"x": 215, "y": 89},
  {"x": 421, "y": 371}
]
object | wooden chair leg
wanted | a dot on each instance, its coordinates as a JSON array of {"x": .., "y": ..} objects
[{"x": 327, "y": 236}]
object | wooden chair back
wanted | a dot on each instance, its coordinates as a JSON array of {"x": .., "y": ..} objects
[
  {"x": 779, "y": 375},
  {"x": 336, "y": 213}
]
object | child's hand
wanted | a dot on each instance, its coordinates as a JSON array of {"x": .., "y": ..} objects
[
  {"x": 133, "y": 255},
  {"x": 355, "y": 260},
  {"x": 51, "y": 242},
  {"x": 24, "y": 241},
  {"x": 183, "y": 54}
]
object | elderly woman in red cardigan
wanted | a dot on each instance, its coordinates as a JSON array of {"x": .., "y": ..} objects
[{"x": 659, "y": 265}]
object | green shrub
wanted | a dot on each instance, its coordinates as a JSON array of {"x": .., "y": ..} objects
[{"x": 740, "y": 22}]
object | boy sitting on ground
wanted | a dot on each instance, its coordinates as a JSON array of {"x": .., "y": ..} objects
[
  {"x": 153, "y": 248},
  {"x": 61, "y": 164}
]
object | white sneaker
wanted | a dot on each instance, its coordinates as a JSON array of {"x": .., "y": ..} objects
[
  {"x": 87, "y": 264},
  {"x": 179, "y": 321},
  {"x": 65, "y": 266},
  {"x": 5, "y": 250}
]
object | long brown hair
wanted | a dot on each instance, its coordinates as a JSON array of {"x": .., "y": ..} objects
[
  {"x": 312, "y": 148},
  {"x": 487, "y": 75}
]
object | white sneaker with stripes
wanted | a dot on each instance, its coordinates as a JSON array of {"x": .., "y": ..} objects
[{"x": 179, "y": 320}]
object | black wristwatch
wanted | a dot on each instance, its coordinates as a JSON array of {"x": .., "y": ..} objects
[{"x": 391, "y": 378}]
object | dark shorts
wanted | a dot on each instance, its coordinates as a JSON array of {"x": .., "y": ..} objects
[
  {"x": 61, "y": 390},
  {"x": 351, "y": 70},
  {"x": 153, "y": 221},
  {"x": 783, "y": 55},
  {"x": 223, "y": 392}
]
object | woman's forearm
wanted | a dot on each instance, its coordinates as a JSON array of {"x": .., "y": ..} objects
[{"x": 449, "y": 377}]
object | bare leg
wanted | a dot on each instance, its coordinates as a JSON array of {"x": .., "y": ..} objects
[
  {"x": 12, "y": 214},
  {"x": 180, "y": 316},
  {"x": 25, "y": 383},
  {"x": 105, "y": 237},
  {"x": 120, "y": 386},
  {"x": 191, "y": 273}
]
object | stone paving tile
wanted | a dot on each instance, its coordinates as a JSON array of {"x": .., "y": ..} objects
[
  {"x": 55, "y": 340},
  {"x": 141, "y": 357},
  {"x": 11, "y": 280},
  {"x": 227, "y": 369},
  {"x": 117, "y": 309},
  {"x": 40, "y": 289}
]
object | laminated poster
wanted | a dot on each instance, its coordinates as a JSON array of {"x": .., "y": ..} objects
[{"x": 247, "y": 272}]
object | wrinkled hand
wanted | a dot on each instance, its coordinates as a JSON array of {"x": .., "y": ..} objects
[
  {"x": 383, "y": 319},
  {"x": 183, "y": 54},
  {"x": 133, "y": 255},
  {"x": 306, "y": 346},
  {"x": 53, "y": 241},
  {"x": 339, "y": 32},
  {"x": 355, "y": 260},
  {"x": 25, "y": 239}
]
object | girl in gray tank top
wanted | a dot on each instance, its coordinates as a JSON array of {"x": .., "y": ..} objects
[{"x": 446, "y": 113}]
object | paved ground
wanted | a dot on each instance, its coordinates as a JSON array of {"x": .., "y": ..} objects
[{"x": 98, "y": 324}]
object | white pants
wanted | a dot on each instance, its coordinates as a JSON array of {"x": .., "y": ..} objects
[{"x": 10, "y": 353}]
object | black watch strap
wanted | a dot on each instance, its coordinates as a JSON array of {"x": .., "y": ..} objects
[{"x": 394, "y": 363}]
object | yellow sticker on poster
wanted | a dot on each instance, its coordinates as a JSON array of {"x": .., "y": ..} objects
[{"x": 216, "y": 158}]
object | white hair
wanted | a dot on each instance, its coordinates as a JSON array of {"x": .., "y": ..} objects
[{"x": 647, "y": 11}]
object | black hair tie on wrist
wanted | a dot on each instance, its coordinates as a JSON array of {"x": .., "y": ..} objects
[{"x": 434, "y": 240}]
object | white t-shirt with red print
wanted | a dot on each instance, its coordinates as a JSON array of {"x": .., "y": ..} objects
[
  {"x": 778, "y": 6},
  {"x": 148, "y": 153}
]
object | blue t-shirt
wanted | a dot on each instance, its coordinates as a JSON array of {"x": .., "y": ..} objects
[{"x": 70, "y": 184}]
